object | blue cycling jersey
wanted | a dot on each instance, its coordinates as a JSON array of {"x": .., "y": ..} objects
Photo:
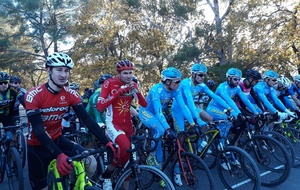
[
  {"x": 189, "y": 91},
  {"x": 266, "y": 94},
  {"x": 293, "y": 90},
  {"x": 284, "y": 96}
]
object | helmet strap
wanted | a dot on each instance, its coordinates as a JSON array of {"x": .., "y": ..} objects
[{"x": 59, "y": 86}]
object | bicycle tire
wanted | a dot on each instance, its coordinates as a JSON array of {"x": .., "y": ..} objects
[
  {"x": 150, "y": 173},
  {"x": 21, "y": 146},
  {"x": 199, "y": 178},
  {"x": 91, "y": 188},
  {"x": 286, "y": 144},
  {"x": 242, "y": 175},
  {"x": 2, "y": 165},
  {"x": 293, "y": 135},
  {"x": 274, "y": 162},
  {"x": 15, "y": 173}
]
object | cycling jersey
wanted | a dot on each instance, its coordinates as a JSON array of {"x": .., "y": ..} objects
[
  {"x": 189, "y": 91},
  {"x": 284, "y": 96},
  {"x": 267, "y": 94},
  {"x": 248, "y": 93},
  {"x": 92, "y": 110},
  {"x": 118, "y": 118},
  {"x": 159, "y": 99},
  {"x": 45, "y": 109},
  {"x": 293, "y": 90},
  {"x": 17, "y": 103}
]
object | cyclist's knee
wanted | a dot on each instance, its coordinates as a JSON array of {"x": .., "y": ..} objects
[{"x": 90, "y": 164}]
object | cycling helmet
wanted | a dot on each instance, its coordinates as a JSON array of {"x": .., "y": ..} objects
[
  {"x": 198, "y": 67},
  {"x": 250, "y": 73},
  {"x": 74, "y": 86},
  {"x": 233, "y": 72},
  {"x": 103, "y": 78},
  {"x": 270, "y": 74},
  {"x": 210, "y": 84},
  {"x": 284, "y": 81},
  {"x": 297, "y": 78},
  {"x": 14, "y": 79},
  {"x": 124, "y": 65},
  {"x": 170, "y": 73},
  {"x": 4, "y": 76},
  {"x": 96, "y": 85},
  {"x": 134, "y": 79},
  {"x": 59, "y": 60}
]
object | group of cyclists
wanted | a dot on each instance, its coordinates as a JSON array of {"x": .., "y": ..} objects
[{"x": 107, "y": 113}]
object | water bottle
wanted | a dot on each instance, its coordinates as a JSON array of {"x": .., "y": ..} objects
[{"x": 201, "y": 145}]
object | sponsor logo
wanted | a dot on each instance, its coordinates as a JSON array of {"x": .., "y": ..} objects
[
  {"x": 32, "y": 93},
  {"x": 54, "y": 109}
]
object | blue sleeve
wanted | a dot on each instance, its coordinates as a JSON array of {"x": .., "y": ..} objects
[
  {"x": 224, "y": 94},
  {"x": 217, "y": 98},
  {"x": 291, "y": 90},
  {"x": 246, "y": 101},
  {"x": 185, "y": 110},
  {"x": 264, "y": 99},
  {"x": 158, "y": 109},
  {"x": 190, "y": 101},
  {"x": 289, "y": 103},
  {"x": 276, "y": 100}
]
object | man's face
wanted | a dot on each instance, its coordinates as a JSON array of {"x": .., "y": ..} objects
[
  {"x": 15, "y": 84},
  {"x": 272, "y": 81},
  {"x": 126, "y": 76},
  {"x": 3, "y": 86},
  {"x": 59, "y": 75},
  {"x": 174, "y": 84},
  {"x": 199, "y": 77},
  {"x": 234, "y": 80}
]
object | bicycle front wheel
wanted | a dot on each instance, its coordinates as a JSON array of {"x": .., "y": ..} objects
[
  {"x": 194, "y": 172},
  {"x": 147, "y": 177},
  {"x": 272, "y": 159},
  {"x": 14, "y": 170},
  {"x": 237, "y": 170},
  {"x": 21, "y": 146},
  {"x": 293, "y": 135}
]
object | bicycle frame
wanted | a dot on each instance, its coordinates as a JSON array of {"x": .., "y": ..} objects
[{"x": 79, "y": 171}]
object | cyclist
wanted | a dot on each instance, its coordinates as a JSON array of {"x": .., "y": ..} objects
[
  {"x": 8, "y": 97},
  {"x": 45, "y": 106},
  {"x": 155, "y": 114},
  {"x": 266, "y": 93},
  {"x": 86, "y": 96},
  {"x": 228, "y": 90},
  {"x": 15, "y": 81},
  {"x": 283, "y": 84},
  {"x": 116, "y": 96},
  {"x": 211, "y": 84},
  {"x": 294, "y": 90}
]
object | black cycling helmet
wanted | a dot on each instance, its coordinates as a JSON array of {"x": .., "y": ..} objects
[
  {"x": 104, "y": 77},
  {"x": 211, "y": 84},
  {"x": 134, "y": 79},
  {"x": 4, "y": 76},
  {"x": 15, "y": 79},
  {"x": 250, "y": 73}
]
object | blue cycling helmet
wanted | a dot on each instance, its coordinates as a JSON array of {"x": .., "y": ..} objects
[
  {"x": 198, "y": 67},
  {"x": 270, "y": 74},
  {"x": 234, "y": 72},
  {"x": 170, "y": 73}
]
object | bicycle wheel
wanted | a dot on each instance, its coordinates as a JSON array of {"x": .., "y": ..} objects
[
  {"x": 272, "y": 159},
  {"x": 237, "y": 169},
  {"x": 194, "y": 172},
  {"x": 293, "y": 135},
  {"x": 2, "y": 164},
  {"x": 21, "y": 146},
  {"x": 286, "y": 144},
  {"x": 14, "y": 170},
  {"x": 146, "y": 175}
]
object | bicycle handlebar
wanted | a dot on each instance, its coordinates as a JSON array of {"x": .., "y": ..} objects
[{"x": 137, "y": 142}]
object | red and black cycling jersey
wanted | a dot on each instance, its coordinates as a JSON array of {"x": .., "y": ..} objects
[{"x": 51, "y": 106}]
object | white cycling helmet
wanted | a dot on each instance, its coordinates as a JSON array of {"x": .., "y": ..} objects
[
  {"x": 59, "y": 60},
  {"x": 297, "y": 78},
  {"x": 284, "y": 81}
]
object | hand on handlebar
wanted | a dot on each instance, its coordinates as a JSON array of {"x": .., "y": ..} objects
[
  {"x": 114, "y": 148},
  {"x": 62, "y": 165}
]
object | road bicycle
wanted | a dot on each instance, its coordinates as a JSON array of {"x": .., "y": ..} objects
[
  {"x": 140, "y": 176},
  {"x": 235, "y": 167},
  {"x": 270, "y": 155},
  {"x": 11, "y": 162}
]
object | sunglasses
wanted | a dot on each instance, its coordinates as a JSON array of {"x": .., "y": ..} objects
[
  {"x": 274, "y": 80},
  {"x": 1, "y": 83},
  {"x": 17, "y": 83},
  {"x": 236, "y": 79},
  {"x": 176, "y": 82},
  {"x": 201, "y": 75}
]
